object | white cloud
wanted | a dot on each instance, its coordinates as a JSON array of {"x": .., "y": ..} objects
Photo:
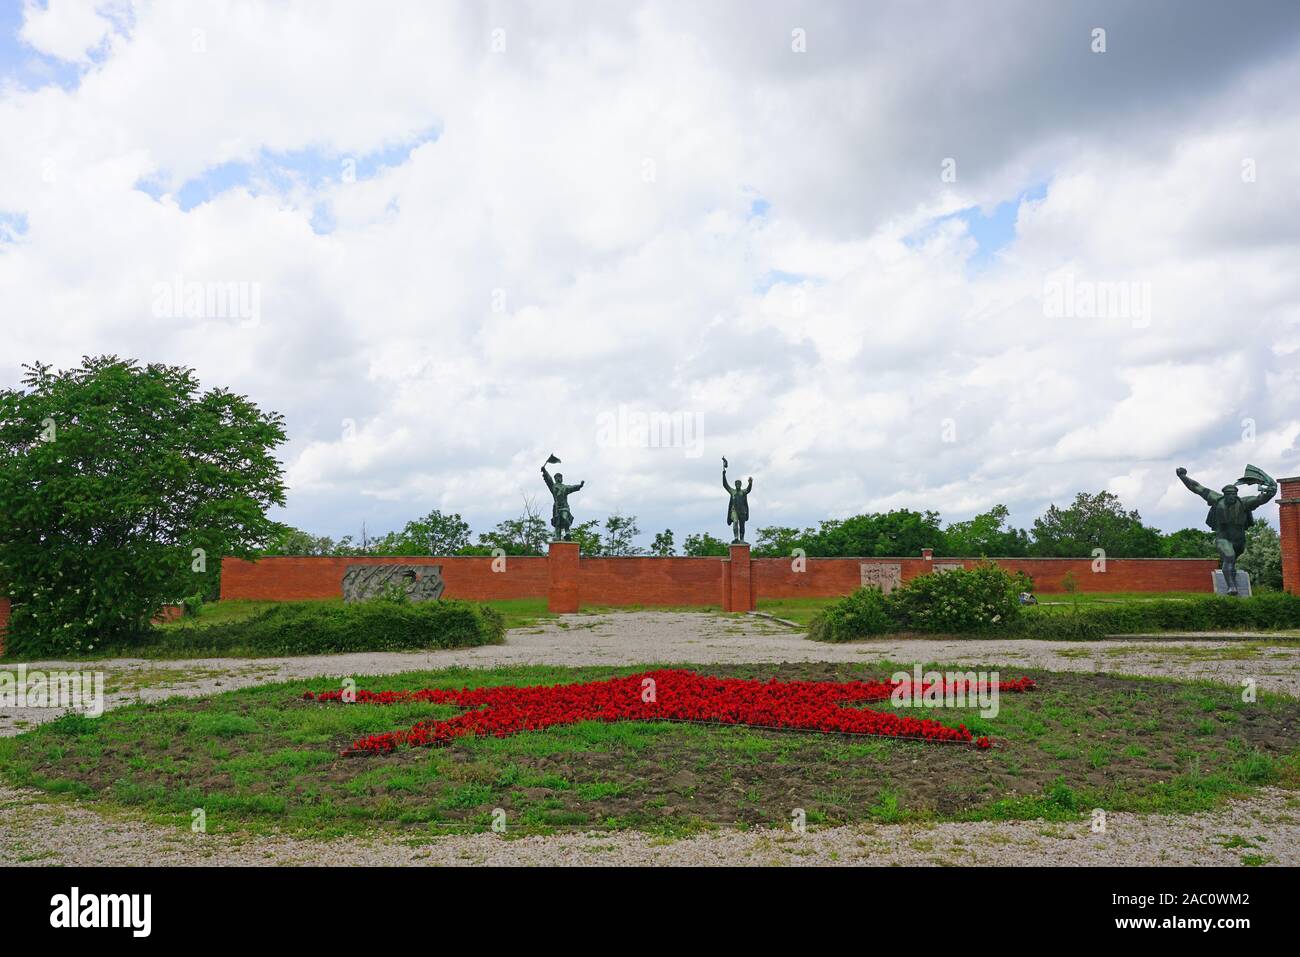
[{"x": 579, "y": 236}]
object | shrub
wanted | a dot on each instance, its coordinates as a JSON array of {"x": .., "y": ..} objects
[
  {"x": 858, "y": 615},
  {"x": 974, "y": 599},
  {"x": 317, "y": 628},
  {"x": 1273, "y": 610}
]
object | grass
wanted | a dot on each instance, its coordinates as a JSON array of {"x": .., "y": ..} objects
[
  {"x": 262, "y": 760},
  {"x": 803, "y": 610}
]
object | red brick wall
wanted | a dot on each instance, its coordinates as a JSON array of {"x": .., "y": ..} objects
[
  {"x": 287, "y": 579},
  {"x": 650, "y": 581},
  {"x": 1289, "y": 519},
  {"x": 690, "y": 581},
  {"x": 823, "y": 577}
]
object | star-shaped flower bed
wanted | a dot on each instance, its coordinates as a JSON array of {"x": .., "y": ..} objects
[{"x": 667, "y": 695}]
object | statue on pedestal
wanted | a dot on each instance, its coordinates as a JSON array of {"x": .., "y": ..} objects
[
  {"x": 561, "y": 517},
  {"x": 1230, "y": 515},
  {"x": 738, "y": 507}
]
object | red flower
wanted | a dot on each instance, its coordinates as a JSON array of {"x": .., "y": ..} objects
[{"x": 678, "y": 696}]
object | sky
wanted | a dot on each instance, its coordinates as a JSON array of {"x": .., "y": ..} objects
[{"x": 878, "y": 255}]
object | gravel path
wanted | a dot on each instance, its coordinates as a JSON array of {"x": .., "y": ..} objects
[{"x": 38, "y": 829}]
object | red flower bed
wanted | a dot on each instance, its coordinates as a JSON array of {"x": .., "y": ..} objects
[{"x": 676, "y": 696}]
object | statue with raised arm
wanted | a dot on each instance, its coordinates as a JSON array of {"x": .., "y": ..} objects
[
  {"x": 738, "y": 507},
  {"x": 1230, "y": 515},
  {"x": 561, "y": 517}
]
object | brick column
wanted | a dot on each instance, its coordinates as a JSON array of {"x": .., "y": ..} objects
[
  {"x": 4, "y": 622},
  {"x": 562, "y": 578},
  {"x": 738, "y": 582},
  {"x": 1288, "y": 504}
]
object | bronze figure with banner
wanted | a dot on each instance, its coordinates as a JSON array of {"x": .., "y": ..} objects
[{"x": 1230, "y": 515}]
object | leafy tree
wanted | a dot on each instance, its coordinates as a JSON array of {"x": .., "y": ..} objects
[
  {"x": 899, "y": 532},
  {"x": 777, "y": 541},
  {"x": 989, "y": 533},
  {"x": 620, "y": 533},
  {"x": 1093, "y": 521},
  {"x": 287, "y": 540},
  {"x": 526, "y": 535},
  {"x": 702, "y": 545},
  {"x": 1263, "y": 556},
  {"x": 663, "y": 546},
  {"x": 587, "y": 535},
  {"x": 434, "y": 534},
  {"x": 1188, "y": 543},
  {"x": 122, "y": 486}
]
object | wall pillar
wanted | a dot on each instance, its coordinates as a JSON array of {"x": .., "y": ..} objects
[
  {"x": 1288, "y": 504},
  {"x": 738, "y": 581},
  {"x": 562, "y": 578}
]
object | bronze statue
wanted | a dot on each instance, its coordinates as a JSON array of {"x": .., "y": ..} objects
[
  {"x": 738, "y": 507},
  {"x": 1230, "y": 516},
  {"x": 561, "y": 517}
]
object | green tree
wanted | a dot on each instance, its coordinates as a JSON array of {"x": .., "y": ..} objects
[
  {"x": 434, "y": 534},
  {"x": 1263, "y": 556},
  {"x": 987, "y": 534},
  {"x": 702, "y": 545},
  {"x": 663, "y": 545},
  {"x": 1093, "y": 521},
  {"x": 287, "y": 540},
  {"x": 587, "y": 535},
  {"x": 778, "y": 541},
  {"x": 1188, "y": 543},
  {"x": 122, "y": 486},
  {"x": 900, "y": 532},
  {"x": 526, "y": 535},
  {"x": 620, "y": 533}
]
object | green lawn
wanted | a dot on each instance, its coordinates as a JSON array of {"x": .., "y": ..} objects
[
  {"x": 803, "y": 610},
  {"x": 262, "y": 759}
]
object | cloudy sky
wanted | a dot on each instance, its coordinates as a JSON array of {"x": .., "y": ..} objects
[{"x": 879, "y": 255}]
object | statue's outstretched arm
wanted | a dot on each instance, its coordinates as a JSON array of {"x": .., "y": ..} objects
[
  {"x": 724, "y": 480},
  {"x": 550, "y": 484},
  {"x": 1209, "y": 495},
  {"x": 750, "y": 487}
]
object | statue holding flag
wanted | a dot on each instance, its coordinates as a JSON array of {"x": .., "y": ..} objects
[
  {"x": 1230, "y": 515},
  {"x": 561, "y": 517}
]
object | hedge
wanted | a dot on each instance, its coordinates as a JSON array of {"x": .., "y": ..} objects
[
  {"x": 1269, "y": 611},
  {"x": 320, "y": 628}
]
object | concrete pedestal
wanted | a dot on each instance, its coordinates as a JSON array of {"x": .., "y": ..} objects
[{"x": 1221, "y": 583}]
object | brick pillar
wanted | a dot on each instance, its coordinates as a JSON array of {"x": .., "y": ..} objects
[
  {"x": 738, "y": 582},
  {"x": 4, "y": 622},
  {"x": 562, "y": 578},
  {"x": 1288, "y": 504}
]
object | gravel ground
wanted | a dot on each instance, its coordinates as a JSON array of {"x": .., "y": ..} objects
[{"x": 34, "y": 828}]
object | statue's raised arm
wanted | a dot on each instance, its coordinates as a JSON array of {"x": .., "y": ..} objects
[{"x": 1208, "y": 494}]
